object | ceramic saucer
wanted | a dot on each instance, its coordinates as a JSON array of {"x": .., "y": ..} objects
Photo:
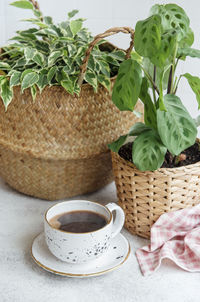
[{"x": 116, "y": 255}]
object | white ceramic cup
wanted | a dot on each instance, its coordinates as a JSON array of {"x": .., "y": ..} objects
[{"x": 82, "y": 247}]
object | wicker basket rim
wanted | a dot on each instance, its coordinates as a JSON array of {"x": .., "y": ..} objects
[{"x": 158, "y": 171}]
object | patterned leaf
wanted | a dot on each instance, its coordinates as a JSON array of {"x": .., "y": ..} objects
[
  {"x": 148, "y": 152},
  {"x": 176, "y": 128},
  {"x": 148, "y": 36},
  {"x": 194, "y": 83},
  {"x": 173, "y": 17},
  {"x": 127, "y": 85}
]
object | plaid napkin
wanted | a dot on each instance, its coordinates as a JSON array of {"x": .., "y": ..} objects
[{"x": 176, "y": 236}]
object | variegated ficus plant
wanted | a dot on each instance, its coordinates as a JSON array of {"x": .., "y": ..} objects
[
  {"x": 161, "y": 41},
  {"x": 51, "y": 54}
]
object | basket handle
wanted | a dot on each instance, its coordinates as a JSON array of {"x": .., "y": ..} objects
[{"x": 107, "y": 33}]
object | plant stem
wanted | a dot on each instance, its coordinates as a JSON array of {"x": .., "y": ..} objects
[
  {"x": 154, "y": 80},
  {"x": 37, "y": 7},
  {"x": 175, "y": 87},
  {"x": 173, "y": 67},
  {"x": 169, "y": 81},
  {"x": 151, "y": 80}
]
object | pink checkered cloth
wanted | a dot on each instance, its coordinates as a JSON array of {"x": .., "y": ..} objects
[{"x": 175, "y": 236}]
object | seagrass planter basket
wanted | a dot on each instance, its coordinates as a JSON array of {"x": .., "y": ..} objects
[
  {"x": 144, "y": 196},
  {"x": 56, "y": 146}
]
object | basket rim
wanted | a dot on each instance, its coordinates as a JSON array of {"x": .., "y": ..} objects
[{"x": 158, "y": 171}]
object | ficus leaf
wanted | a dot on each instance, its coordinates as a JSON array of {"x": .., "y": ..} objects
[
  {"x": 68, "y": 86},
  {"x": 51, "y": 74},
  {"x": 177, "y": 129},
  {"x": 6, "y": 92},
  {"x": 29, "y": 53},
  {"x": 147, "y": 37},
  {"x": 75, "y": 26},
  {"x": 22, "y": 4},
  {"x": 127, "y": 85},
  {"x": 42, "y": 81},
  {"x": 53, "y": 57},
  {"x": 34, "y": 92},
  {"x": 91, "y": 78},
  {"x": 29, "y": 80},
  {"x": 148, "y": 151},
  {"x": 4, "y": 66},
  {"x": 15, "y": 78},
  {"x": 72, "y": 13},
  {"x": 104, "y": 81}
]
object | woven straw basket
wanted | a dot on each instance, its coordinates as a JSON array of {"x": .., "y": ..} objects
[
  {"x": 145, "y": 196},
  {"x": 56, "y": 147}
]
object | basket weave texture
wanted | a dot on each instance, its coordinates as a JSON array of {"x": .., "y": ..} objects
[
  {"x": 144, "y": 196},
  {"x": 56, "y": 147}
]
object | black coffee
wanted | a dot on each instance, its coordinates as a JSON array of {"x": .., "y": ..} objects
[{"x": 78, "y": 221}]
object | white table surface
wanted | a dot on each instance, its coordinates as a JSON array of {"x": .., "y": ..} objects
[{"x": 21, "y": 280}]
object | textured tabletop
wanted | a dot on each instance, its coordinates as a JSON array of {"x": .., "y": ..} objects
[{"x": 21, "y": 280}]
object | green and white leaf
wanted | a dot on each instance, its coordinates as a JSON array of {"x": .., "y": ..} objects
[
  {"x": 29, "y": 80},
  {"x": 6, "y": 92},
  {"x": 51, "y": 74},
  {"x": 75, "y": 26},
  {"x": 72, "y": 13},
  {"x": 29, "y": 53},
  {"x": 39, "y": 59},
  {"x": 22, "y": 4},
  {"x": 42, "y": 81},
  {"x": 127, "y": 86},
  {"x": 34, "y": 92},
  {"x": 68, "y": 85},
  {"x": 4, "y": 66},
  {"x": 53, "y": 57},
  {"x": 104, "y": 81},
  {"x": 15, "y": 78},
  {"x": 91, "y": 78},
  {"x": 177, "y": 129}
]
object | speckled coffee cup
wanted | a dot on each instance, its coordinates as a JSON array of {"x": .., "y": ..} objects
[{"x": 82, "y": 247}]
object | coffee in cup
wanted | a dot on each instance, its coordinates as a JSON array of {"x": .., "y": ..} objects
[{"x": 79, "y": 231}]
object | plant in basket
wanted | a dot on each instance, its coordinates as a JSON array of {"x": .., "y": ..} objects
[
  {"x": 55, "y": 84},
  {"x": 158, "y": 171}
]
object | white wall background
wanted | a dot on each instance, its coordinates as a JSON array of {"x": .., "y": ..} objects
[{"x": 103, "y": 14}]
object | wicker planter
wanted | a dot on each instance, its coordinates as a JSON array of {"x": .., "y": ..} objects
[
  {"x": 145, "y": 196},
  {"x": 56, "y": 147}
]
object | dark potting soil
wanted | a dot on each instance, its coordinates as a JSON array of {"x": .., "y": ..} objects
[{"x": 190, "y": 156}]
